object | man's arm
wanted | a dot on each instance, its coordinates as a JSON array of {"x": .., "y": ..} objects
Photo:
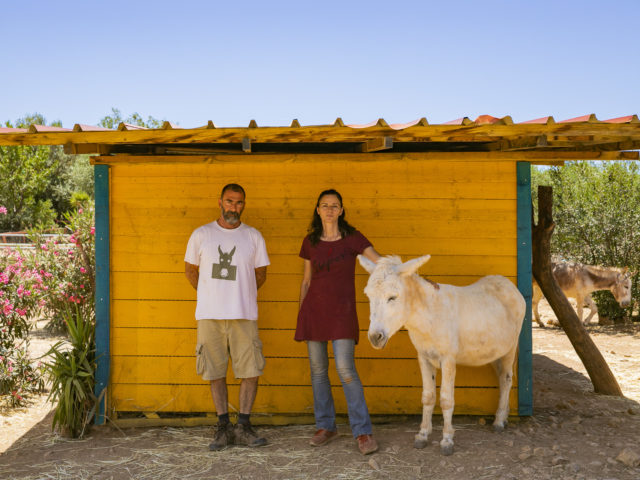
[
  {"x": 192, "y": 273},
  {"x": 261, "y": 276}
]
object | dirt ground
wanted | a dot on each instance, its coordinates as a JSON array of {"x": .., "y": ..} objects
[{"x": 573, "y": 434}]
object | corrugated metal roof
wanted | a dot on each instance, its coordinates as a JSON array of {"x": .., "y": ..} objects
[
  {"x": 381, "y": 122},
  {"x": 484, "y": 134}
]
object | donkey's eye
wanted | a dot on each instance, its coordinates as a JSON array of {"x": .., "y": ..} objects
[{"x": 391, "y": 299}]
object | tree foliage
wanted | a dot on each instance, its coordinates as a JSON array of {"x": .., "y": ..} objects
[
  {"x": 37, "y": 182},
  {"x": 597, "y": 215},
  {"x": 112, "y": 121}
]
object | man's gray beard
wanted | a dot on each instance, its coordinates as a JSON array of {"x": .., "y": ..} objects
[{"x": 231, "y": 218}]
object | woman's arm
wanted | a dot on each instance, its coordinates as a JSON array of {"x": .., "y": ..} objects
[
  {"x": 371, "y": 254},
  {"x": 374, "y": 256},
  {"x": 306, "y": 280}
]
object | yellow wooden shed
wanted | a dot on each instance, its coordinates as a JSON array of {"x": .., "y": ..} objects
[{"x": 459, "y": 191}]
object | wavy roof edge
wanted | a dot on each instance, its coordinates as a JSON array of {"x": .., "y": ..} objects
[{"x": 422, "y": 122}]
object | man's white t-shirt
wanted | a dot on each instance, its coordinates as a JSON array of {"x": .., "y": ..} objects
[{"x": 227, "y": 259}]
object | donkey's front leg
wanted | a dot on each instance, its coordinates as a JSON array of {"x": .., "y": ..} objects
[
  {"x": 579, "y": 305},
  {"x": 446, "y": 404},
  {"x": 588, "y": 301},
  {"x": 428, "y": 400}
]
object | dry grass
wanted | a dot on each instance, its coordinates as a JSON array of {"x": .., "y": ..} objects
[{"x": 182, "y": 453}]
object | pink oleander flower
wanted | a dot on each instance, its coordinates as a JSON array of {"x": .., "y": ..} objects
[
  {"x": 22, "y": 312},
  {"x": 72, "y": 239},
  {"x": 44, "y": 247},
  {"x": 92, "y": 231},
  {"x": 83, "y": 270},
  {"x": 48, "y": 275},
  {"x": 81, "y": 286},
  {"x": 3, "y": 210},
  {"x": 80, "y": 210}
]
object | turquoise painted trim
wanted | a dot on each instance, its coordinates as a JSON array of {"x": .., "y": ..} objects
[
  {"x": 103, "y": 294},
  {"x": 525, "y": 275}
]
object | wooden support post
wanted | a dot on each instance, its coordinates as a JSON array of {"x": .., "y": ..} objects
[
  {"x": 525, "y": 352},
  {"x": 601, "y": 376},
  {"x": 103, "y": 295},
  {"x": 246, "y": 145}
]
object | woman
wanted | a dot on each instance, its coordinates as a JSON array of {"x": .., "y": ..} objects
[{"x": 328, "y": 313}]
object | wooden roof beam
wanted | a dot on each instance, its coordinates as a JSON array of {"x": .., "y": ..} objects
[
  {"x": 86, "y": 149},
  {"x": 526, "y": 143},
  {"x": 376, "y": 145}
]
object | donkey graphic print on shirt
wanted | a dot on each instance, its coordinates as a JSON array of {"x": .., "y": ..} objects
[{"x": 224, "y": 270}]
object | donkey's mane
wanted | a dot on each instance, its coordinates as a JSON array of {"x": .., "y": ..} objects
[{"x": 600, "y": 270}]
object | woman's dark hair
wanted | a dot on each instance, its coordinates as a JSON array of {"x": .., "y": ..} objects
[{"x": 315, "y": 228}]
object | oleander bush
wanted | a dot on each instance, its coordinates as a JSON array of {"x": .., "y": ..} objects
[{"x": 53, "y": 281}]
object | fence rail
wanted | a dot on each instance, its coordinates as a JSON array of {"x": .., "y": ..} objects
[{"x": 22, "y": 240}]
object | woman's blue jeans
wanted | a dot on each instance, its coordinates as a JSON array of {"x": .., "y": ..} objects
[{"x": 323, "y": 406}]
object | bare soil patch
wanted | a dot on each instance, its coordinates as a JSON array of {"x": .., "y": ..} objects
[{"x": 573, "y": 434}]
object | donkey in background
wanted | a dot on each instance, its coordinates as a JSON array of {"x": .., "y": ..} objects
[
  {"x": 448, "y": 325},
  {"x": 579, "y": 281}
]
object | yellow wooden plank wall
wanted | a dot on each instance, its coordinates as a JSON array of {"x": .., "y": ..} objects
[{"x": 462, "y": 213}]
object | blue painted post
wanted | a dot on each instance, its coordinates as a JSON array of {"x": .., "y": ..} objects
[
  {"x": 525, "y": 354},
  {"x": 103, "y": 296}
]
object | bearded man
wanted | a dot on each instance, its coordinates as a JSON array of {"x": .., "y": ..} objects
[{"x": 226, "y": 262}]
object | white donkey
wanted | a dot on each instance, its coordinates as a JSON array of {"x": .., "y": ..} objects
[{"x": 449, "y": 326}]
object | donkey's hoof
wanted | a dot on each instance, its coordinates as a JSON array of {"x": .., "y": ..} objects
[
  {"x": 446, "y": 450},
  {"x": 420, "y": 443},
  {"x": 499, "y": 427}
]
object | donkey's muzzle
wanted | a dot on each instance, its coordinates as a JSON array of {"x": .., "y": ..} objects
[{"x": 377, "y": 339}]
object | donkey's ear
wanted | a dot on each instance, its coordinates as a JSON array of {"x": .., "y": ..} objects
[
  {"x": 367, "y": 264},
  {"x": 412, "y": 266}
]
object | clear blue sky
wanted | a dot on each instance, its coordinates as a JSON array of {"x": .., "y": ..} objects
[{"x": 273, "y": 61}]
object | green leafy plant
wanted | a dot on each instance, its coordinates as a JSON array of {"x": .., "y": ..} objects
[{"x": 71, "y": 370}]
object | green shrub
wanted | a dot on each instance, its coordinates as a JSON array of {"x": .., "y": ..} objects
[
  {"x": 597, "y": 213},
  {"x": 71, "y": 370}
]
